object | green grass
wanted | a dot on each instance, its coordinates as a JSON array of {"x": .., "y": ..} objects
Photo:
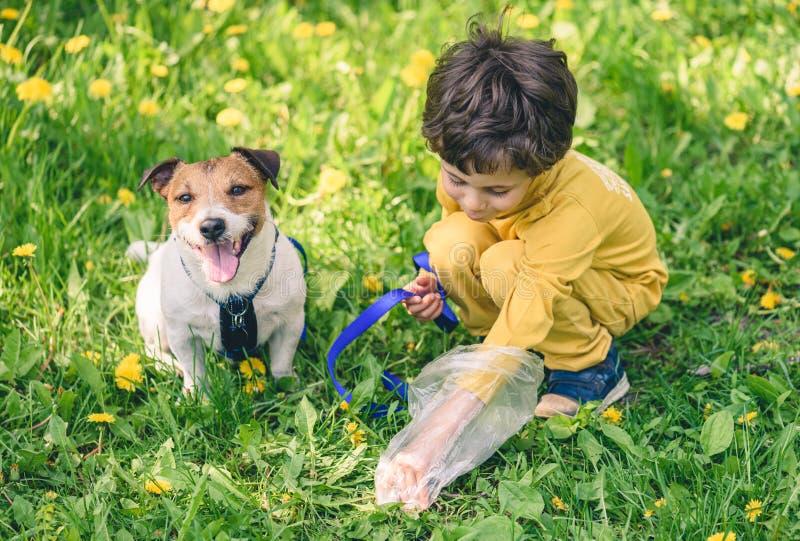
[{"x": 280, "y": 464}]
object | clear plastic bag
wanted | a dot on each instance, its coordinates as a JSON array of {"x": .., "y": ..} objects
[{"x": 464, "y": 405}]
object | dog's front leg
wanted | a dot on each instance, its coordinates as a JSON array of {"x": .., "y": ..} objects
[
  {"x": 190, "y": 353},
  {"x": 283, "y": 344}
]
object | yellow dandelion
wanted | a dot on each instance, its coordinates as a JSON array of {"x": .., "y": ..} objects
[
  {"x": 34, "y": 89},
  {"x": 748, "y": 277},
  {"x": 229, "y": 117},
  {"x": 254, "y": 386},
  {"x": 104, "y": 199},
  {"x": 558, "y": 503},
  {"x": 220, "y": 6},
  {"x": 785, "y": 253},
  {"x": 667, "y": 87},
  {"x": 661, "y": 15},
  {"x": 303, "y": 31},
  {"x": 707, "y": 411},
  {"x": 101, "y": 418},
  {"x": 770, "y": 300},
  {"x": 411, "y": 346},
  {"x": 208, "y": 28},
  {"x": 666, "y": 173},
  {"x": 683, "y": 297},
  {"x": 726, "y": 226},
  {"x": 702, "y": 41},
  {"x": 764, "y": 344},
  {"x": 251, "y": 366},
  {"x": 357, "y": 438},
  {"x": 612, "y": 415},
  {"x": 9, "y": 14},
  {"x": 236, "y": 30},
  {"x": 564, "y": 4},
  {"x": 344, "y": 405},
  {"x": 235, "y": 86},
  {"x": 148, "y": 108},
  {"x": 126, "y": 197},
  {"x": 351, "y": 427},
  {"x": 51, "y": 495},
  {"x": 747, "y": 418},
  {"x": 286, "y": 498},
  {"x": 331, "y": 180},
  {"x": 372, "y": 283},
  {"x": 325, "y": 29},
  {"x": 119, "y": 18},
  {"x": 10, "y": 55},
  {"x": 77, "y": 44},
  {"x": 649, "y": 513},
  {"x": 528, "y": 21},
  {"x": 423, "y": 58},
  {"x": 661, "y": 502},
  {"x": 92, "y": 356},
  {"x": 159, "y": 70},
  {"x": 753, "y": 509},
  {"x": 241, "y": 65},
  {"x": 413, "y": 76},
  {"x": 100, "y": 88},
  {"x": 24, "y": 250},
  {"x": 736, "y": 121},
  {"x": 128, "y": 372},
  {"x": 158, "y": 485},
  {"x": 722, "y": 536},
  {"x": 794, "y": 90}
]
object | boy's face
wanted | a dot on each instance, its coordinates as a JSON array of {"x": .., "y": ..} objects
[{"x": 484, "y": 197}]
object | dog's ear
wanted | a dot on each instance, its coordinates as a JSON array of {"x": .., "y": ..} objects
[
  {"x": 266, "y": 162},
  {"x": 159, "y": 175}
]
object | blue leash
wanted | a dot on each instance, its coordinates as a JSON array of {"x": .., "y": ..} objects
[{"x": 447, "y": 321}]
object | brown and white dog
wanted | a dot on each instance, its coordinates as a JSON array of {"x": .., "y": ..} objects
[{"x": 226, "y": 278}]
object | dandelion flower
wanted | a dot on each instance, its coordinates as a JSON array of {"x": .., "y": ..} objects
[
  {"x": 235, "y": 86},
  {"x": 303, "y": 31},
  {"x": 662, "y": 15},
  {"x": 241, "y": 65},
  {"x": 707, "y": 411},
  {"x": 158, "y": 486},
  {"x": 229, "y": 117},
  {"x": 794, "y": 90},
  {"x": 10, "y": 55},
  {"x": 24, "y": 250},
  {"x": 159, "y": 70},
  {"x": 148, "y": 108},
  {"x": 753, "y": 509},
  {"x": 77, "y": 44},
  {"x": 344, "y": 405},
  {"x": 331, "y": 180},
  {"x": 92, "y": 356},
  {"x": 125, "y": 196},
  {"x": 51, "y": 495},
  {"x": 748, "y": 277},
  {"x": 9, "y": 14},
  {"x": 208, "y": 28},
  {"x": 564, "y": 4},
  {"x": 666, "y": 173},
  {"x": 100, "y": 88},
  {"x": 357, "y": 438},
  {"x": 101, "y": 418},
  {"x": 236, "y": 30},
  {"x": 414, "y": 76},
  {"x": 722, "y": 536},
  {"x": 683, "y": 297},
  {"x": 34, "y": 89},
  {"x": 254, "y": 386},
  {"x": 128, "y": 372},
  {"x": 661, "y": 502},
  {"x": 252, "y": 365},
  {"x": 528, "y": 21},
  {"x": 220, "y": 6},
  {"x": 423, "y": 58},
  {"x": 119, "y": 18},
  {"x": 411, "y": 346},
  {"x": 649, "y": 513},
  {"x": 747, "y": 418},
  {"x": 770, "y": 300},
  {"x": 558, "y": 503},
  {"x": 286, "y": 498},
  {"x": 736, "y": 121},
  {"x": 612, "y": 415},
  {"x": 325, "y": 29},
  {"x": 764, "y": 344},
  {"x": 372, "y": 283},
  {"x": 702, "y": 41},
  {"x": 785, "y": 253}
]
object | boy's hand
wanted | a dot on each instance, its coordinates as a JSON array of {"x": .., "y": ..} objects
[{"x": 427, "y": 304}]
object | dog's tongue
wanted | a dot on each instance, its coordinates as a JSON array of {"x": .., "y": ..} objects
[{"x": 219, "y": 262}]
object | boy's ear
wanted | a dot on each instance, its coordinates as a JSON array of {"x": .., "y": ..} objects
[
  {"x": 266, "y": 162},
  {"x": 159, "y": 175}
]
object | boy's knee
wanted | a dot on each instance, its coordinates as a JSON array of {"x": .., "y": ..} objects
[
  {"x": 499, "y": 267},
  {"x": 457, "y": 242}
]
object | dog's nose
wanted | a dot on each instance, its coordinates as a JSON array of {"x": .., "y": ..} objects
[{"x": 213, "y": 228}]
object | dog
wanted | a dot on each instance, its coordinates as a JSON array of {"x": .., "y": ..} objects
[{"x": 226, "y": 279}]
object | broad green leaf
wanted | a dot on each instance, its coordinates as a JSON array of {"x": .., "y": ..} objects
[
  {"x": 543, "y": 471},
  {"x": 762, "y": 388},
  {"x": 494, "y": 528},
  {"x": 305, "y": 417},
  {"x": 10, "y": 356},
  {"x": 621, "y": 438},
  {"x": 720, "y": 364},
  {"x": 717, "y": 433},
  {"x": 592, "y": 490},
  {"x": 57, "y": 429},
  {"x": 520, "y": 500},
  {"x": 592, "y": 448},
  {"x": 561, "y": 427},
  {"x": 89, "y": 373}
]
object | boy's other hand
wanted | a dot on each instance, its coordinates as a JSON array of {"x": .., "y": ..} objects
[{"x": 426, "y": 304}]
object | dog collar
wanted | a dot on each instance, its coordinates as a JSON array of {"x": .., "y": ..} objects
[{"x": 238, "y": 325}]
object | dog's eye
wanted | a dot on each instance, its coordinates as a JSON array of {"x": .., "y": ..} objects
[
  {"x": 238, "y": 190},
  {"x": 185, "y": 198}
]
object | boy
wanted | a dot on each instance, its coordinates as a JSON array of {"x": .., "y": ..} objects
[{"x": 541, "y": 247}]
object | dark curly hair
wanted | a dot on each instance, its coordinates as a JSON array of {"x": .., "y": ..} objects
[{"x": 500, "y": 102}]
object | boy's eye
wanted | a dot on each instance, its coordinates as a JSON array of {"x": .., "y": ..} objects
[
  {"x": 185, "y": 198},
  {"x": 455, "y": 182},
  {"x": 238, "y": 190},
  {"x": 498, "y": 193}
]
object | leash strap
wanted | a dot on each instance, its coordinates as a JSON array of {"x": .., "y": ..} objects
[{"x": 447, "y": 321}]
